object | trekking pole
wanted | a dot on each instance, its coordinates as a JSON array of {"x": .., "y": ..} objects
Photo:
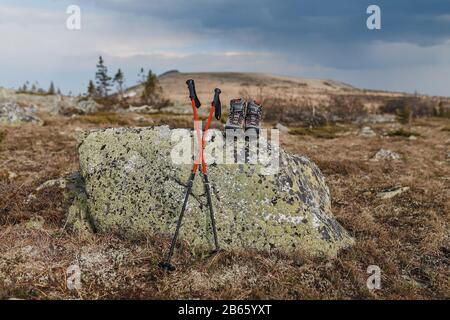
[
  {"x": 195, "y": 102},
  {"x": 216, "y": 108}
]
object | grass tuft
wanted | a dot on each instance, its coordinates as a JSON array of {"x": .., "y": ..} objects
[{"x": 2, "y": 135}]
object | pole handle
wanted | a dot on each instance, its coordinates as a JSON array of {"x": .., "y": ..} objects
[
  {"x": 217, "y": 104},
  {"x": 192, "y": 93}
]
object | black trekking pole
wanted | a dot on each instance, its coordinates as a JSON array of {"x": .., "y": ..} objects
[
  {"x": 216, "y": 108},
  {"x": 195, "y": 102},
  {"x": 166, "y": 265}
]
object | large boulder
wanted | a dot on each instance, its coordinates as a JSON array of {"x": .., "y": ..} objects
[{"x": 131, "y": 186}]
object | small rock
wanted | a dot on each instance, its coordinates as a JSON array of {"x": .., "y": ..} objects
[
  {"x": 412, "y": 138},
  {"x": 282, "y": 128},
  {"x": 384, "y": 154},
  {"x": 61, "y": 183},
  {"x": 376, "y": 118},
  {"x": 367, "y": 193},
  {"x": 367, "y": 132},
  {"x": 142, "y": 109},
  {"x": 12, "y": 175},
  {"x": 391, "y": 192},
  {"x": 30, "y": 198}
]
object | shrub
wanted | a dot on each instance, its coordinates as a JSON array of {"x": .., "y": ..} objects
[
  {"x": 153, "y": 94},
  {"x": 402, "y": 133},
  {"x": 443, "y": 109},
  {"x": 346, "y": 108},
  {"x": 410, "y": 107},
  {"x": 304, "y": 112}
]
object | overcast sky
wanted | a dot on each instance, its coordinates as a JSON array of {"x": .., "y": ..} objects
[{"x": 307, "y": 38}]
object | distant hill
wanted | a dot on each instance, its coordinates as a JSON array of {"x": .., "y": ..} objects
[
  {"x": 234, "y": 84},
  {"x": 253, "y": 85}
]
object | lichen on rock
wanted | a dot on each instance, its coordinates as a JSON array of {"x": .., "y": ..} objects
[{"x": 133, "y": 188}]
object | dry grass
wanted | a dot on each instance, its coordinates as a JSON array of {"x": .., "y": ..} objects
[{"x": 407, "y": 236}]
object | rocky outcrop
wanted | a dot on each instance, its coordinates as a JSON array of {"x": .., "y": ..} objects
[
  {"x": 14, "y": 114},
  {"x": 70, "y": 106},
  {"x": 51, "y": 104},
  {"x": 131, "y": 186}
]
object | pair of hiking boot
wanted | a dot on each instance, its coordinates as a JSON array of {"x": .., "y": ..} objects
[{"x": 244, "y": 115}]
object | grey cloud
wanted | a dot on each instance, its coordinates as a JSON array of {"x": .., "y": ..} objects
[{"x": 306, "y": 38}]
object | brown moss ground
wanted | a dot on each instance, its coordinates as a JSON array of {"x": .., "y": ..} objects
[{"x": 406, "y": 236}]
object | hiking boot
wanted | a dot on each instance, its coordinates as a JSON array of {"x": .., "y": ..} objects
[
  {"x": 253, "y": 116},
  {"x": 236, "y": 116}
]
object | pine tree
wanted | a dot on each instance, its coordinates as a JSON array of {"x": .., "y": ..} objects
[
  {"x": 119, "y": 79},
  {"x": 92, "y": 90},
  {"x": 24, "y": 88},
  {"x": 51, "y": 90},
  {"x": 141, "y": 76},
  {"x": 151, "y": 85},
  {"x": 404, "y": 114},
  {"x": 58, "y": 92},
  {"x": 102, "y": 78}
]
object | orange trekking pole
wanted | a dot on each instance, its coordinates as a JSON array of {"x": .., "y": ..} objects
[{"x": 215, "y": 109}]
